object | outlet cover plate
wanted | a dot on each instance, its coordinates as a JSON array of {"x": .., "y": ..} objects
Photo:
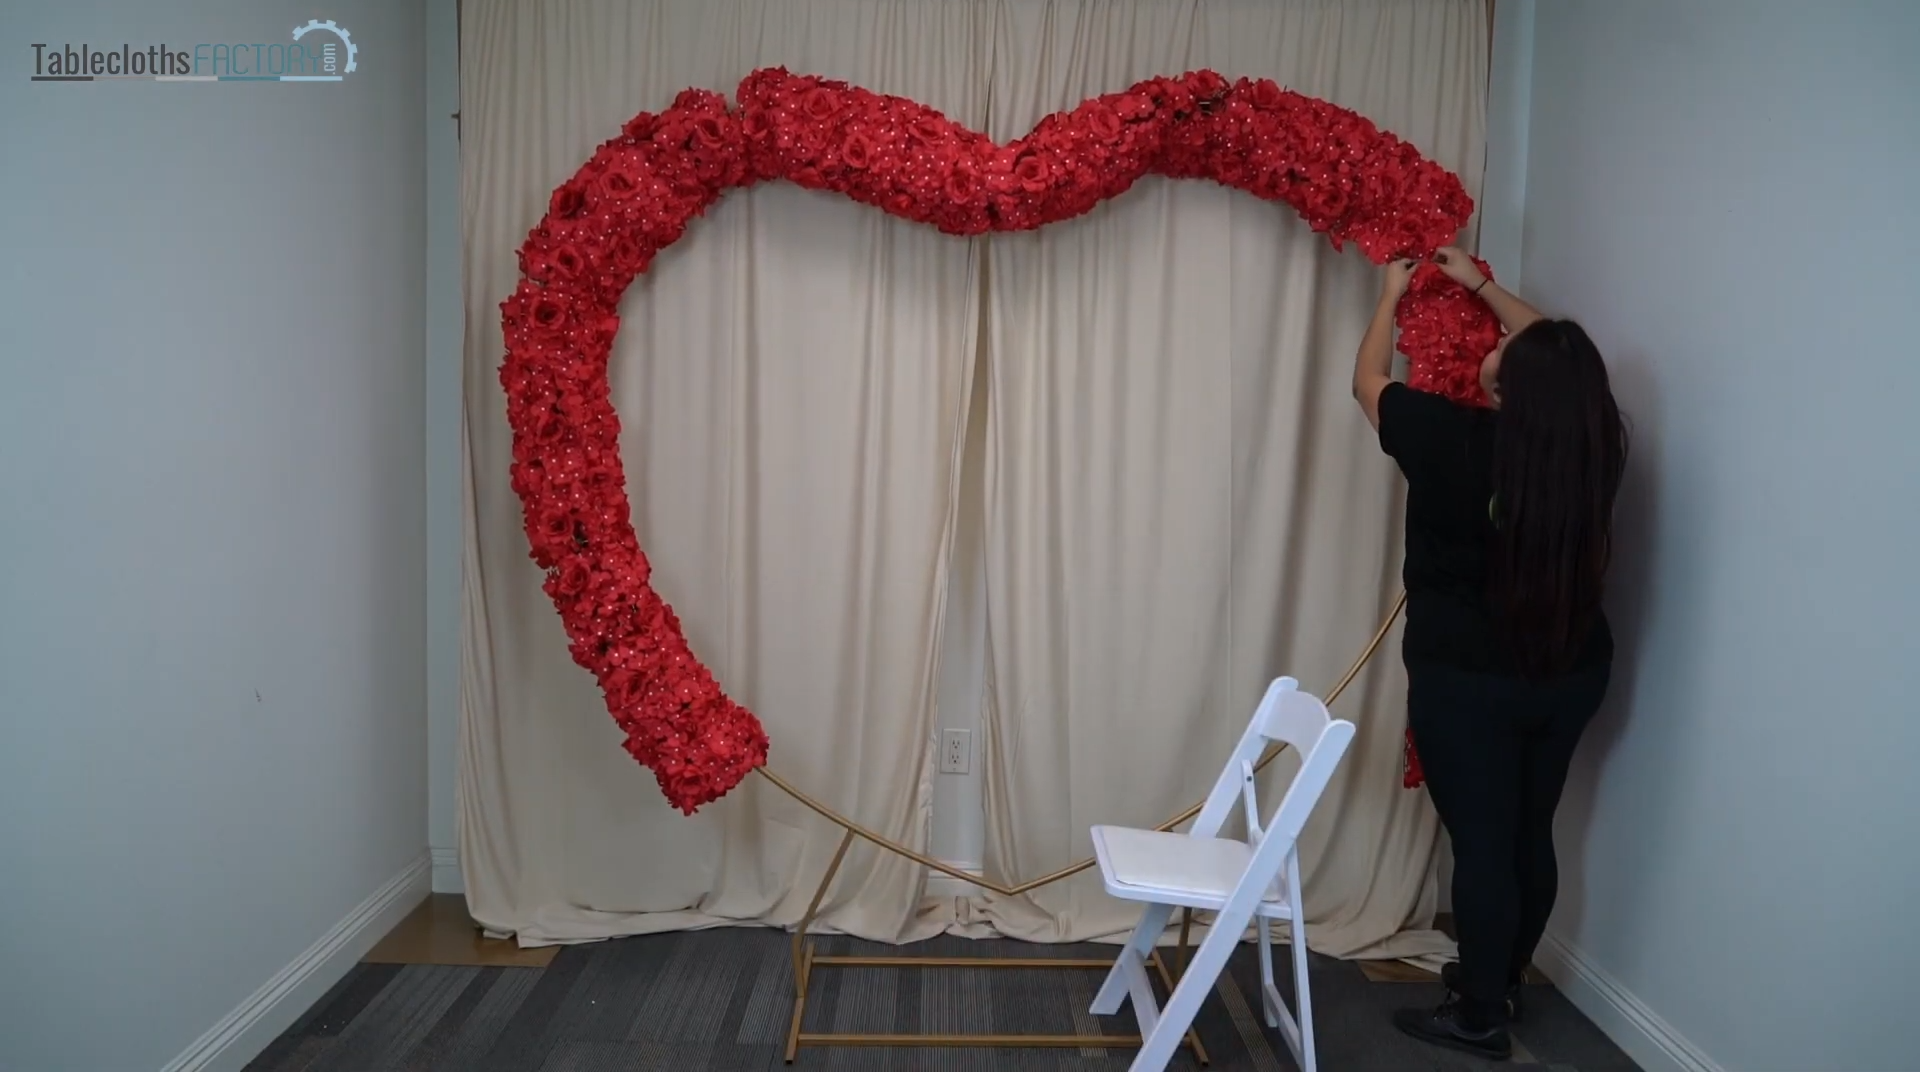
[{"x": 956, "y": 751}]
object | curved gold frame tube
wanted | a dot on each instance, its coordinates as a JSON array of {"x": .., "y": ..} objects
[
  {"x": 854, "y": 829},
  {"x": 805, "y": 960}
]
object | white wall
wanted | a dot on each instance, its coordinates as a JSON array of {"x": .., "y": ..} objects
[
  {"x": 1724, "y": 192},
  {"x": 445, "y": 315},
  {"x": 211, "y": 564},
  {"x": 1503, "y": 187}
]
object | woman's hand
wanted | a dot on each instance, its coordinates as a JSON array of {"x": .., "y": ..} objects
[
  {"x": 1395, "y": 280},
  {"x": 1454, "y": 261},
  {"x": 1514, "y": 314}
]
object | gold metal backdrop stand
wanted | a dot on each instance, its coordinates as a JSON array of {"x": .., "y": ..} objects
[{"x": 805, "y": 959}]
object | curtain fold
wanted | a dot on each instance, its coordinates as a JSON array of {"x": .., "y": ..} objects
[
  {"x": 1158, "y": 497},
  {"x": 792, "y": 378},
  {"x": 1182, "y": 501}
]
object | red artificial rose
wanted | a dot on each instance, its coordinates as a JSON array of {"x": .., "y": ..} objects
[
  {"x": 627, "y": 256},
  {"x": 548, "y": 427},
  {"x": 902, "y": 205},
  {"x": 1206, "y": 84},
  {"x": 1054, "y": 138},
  {"x": 568, "y": 201},
  {"x": 573, "y": 576},
  {"x": 598, "y": 337},
  {"x": 573, "y": 406},
  {"x": 1032, "y": 173},
  {"x": 1237, "y": 115},
  {"x": 810, "y": 144},
  {"x": 640, "y": 127},
  {"x": 546, "y": 312},
  {"x": 1267, "y": 95},
  {"x": 756, "y": 126},
  {"x": 673, "y": 133},
  {"x": 1232, "y": 171},
  {"x": 601, "y": 480},
  {"x": 929, "y": 128},
  {"x": 617, "y": 185},
  {"x": 856, "y": 151},
  {"x": 623, "y": 687},
  {"x": 526, "y": 478},
  {"x": 534, "y": 263},
  {"x": 688, "y": 189},
  {"x": 709, "y": 132},
  {"x": 698, "y": 101},
  {"x": 1327, "y": 201},
  {"x": 555, "y": 524},
  {"x": 820, "y": 104},
  {"x": 1380, "y": 186},
  {"x": 1102, "y": 123},
  {"x": 963, "y": 184},
  {"x": 566, "y": 261},
  {"x": 1133, "y": 107}
]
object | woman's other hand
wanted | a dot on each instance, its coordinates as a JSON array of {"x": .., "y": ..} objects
[
  {"x": 1515, "y": 315},
  {"x": 1396, "y": 279},
  {"x": 1454, "y": 261}
]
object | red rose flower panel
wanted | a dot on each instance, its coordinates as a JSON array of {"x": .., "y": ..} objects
[{"x": 1345, "y": 177}]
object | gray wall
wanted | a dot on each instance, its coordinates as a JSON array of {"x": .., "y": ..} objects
[
  {"x": 212, "y": 646},
  {"x": 1724, "y": 192}
]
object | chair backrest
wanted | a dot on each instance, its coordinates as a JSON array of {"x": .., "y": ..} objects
[{"x": 1292, "y": 717}]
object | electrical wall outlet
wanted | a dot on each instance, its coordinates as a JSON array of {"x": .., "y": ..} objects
[{"x": 956, "y": 751}]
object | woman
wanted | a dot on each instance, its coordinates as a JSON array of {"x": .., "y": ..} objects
[{"x": 1509, "y": 514}]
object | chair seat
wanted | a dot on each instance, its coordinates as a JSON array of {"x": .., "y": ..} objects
[{"x": 1178, "y": 869}]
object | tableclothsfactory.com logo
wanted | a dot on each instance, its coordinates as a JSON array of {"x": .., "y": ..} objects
[{"x": 326, "y": 56}]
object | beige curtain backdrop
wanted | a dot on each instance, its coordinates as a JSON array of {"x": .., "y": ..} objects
[
  {"x": 1156, "y": 469},
  {"x": 793, "y": 379},
  {"x": 1181, "y": 499}
]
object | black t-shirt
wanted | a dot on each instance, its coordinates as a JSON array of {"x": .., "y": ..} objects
[{"x": 1446, "y": 451}]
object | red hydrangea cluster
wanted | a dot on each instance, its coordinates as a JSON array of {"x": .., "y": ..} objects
[
  {"x": 1446, "y": 331},
  {"x": 1347, "y": 178}
]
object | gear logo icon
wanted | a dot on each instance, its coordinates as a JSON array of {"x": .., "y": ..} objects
[{"x": 327, "y": 51}]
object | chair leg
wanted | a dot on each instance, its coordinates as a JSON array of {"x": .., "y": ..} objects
[
  {"x": 1302, "y": 993},
  {"x": 1265, "y": 928},
  {"x": 1146, "y": 934},
  {"x": 1184, "y": 1003}
]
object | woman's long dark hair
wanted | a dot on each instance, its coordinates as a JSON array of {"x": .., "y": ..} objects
[{"x": 1560, "y": 447}]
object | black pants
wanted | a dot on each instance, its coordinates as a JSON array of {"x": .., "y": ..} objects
[{"x": 1495, "y": 751}]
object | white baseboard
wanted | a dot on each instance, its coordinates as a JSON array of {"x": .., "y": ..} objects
[
  {"x": 939, "y": 885},
  {"x": 1639, "y": 1031},
  {"x": 243, "y": 1033},
  {"x": 447, "y": 877}
]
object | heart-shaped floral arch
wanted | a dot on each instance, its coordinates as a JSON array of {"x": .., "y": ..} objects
[{"x": 1347, "y": 178}]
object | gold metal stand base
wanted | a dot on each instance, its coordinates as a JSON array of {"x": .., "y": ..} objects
[
  {"x": 809, "y": 960},
  {"x": 805, "y": 959}
]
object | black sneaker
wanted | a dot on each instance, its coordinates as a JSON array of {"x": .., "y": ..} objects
[
  {"x": 1450, "y": 978},
  {"x": 1448, "y": 1026}
]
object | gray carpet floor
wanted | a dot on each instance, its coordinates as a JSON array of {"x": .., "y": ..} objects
[{"x": 719, "y": 1001}]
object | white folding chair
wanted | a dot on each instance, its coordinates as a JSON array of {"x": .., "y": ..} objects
[{"x": 1237, "y": 880}]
